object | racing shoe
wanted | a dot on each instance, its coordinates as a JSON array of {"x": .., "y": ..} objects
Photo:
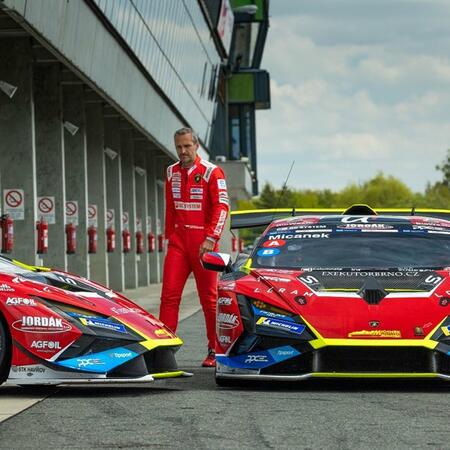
[{"x": 210, "y": 360}]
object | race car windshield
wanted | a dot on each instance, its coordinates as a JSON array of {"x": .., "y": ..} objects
[{"x": 332, "y": 248}]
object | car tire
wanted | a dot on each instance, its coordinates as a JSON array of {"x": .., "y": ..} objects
[{"x": 5, "y": 350}]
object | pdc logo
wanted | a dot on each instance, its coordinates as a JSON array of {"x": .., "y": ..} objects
[
  {"x": 46, "y": 346},
  {"x": 18, "y": 301}
]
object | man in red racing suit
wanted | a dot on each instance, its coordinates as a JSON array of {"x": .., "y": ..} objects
[{"x": 196, "y": 210}]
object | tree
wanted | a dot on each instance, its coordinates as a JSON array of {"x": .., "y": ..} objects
[
  {"x": 444, "y": 167},
  {"x": 382, "y": 191}
]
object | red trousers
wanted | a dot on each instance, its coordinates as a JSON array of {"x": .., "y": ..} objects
[{"x": 183, "y": 258}]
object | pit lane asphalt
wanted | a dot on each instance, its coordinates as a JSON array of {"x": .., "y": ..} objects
[{"x": 194, "y": 413}]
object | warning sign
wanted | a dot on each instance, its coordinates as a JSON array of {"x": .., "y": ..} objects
[
  {"x": 92, "y": 216},
  {"x": 13, "y": 203},
  {"x": 72, "y": 212},
  {"x": 46, "y": 209},
  {"x": 125, "y": 220},
  {"x": 110, "y": 218}
]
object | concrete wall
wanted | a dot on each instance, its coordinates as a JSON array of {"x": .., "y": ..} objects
[{"x": 42, "y": 157}]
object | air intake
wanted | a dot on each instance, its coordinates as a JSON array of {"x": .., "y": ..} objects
[
  {"x": 359, "y": 210},
  {"x": 371, "y": 292}
]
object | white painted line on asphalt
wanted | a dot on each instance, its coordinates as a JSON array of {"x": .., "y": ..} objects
[{"x": 14, "y": 404}]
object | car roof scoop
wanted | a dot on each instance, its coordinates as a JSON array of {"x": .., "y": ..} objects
[{"x": 372, "y": 292}]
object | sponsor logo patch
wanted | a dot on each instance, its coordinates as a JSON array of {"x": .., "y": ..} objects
[
  {"x": 34, "y": 324},
  {"x": 188, "y": 206},
  {"x": 227, "y": 321},
  {"x": 46, "y": 346},
  {"x": 376, "y": 334},
  {"x": 224, "y": 301},
  {"x": 281, "y": 325},
  {"x": 103, "y": 323},
  {"x": 19, "y": 301},
  {"x": 6, "y": 288},
  {"x": 268, "y": 252},
  {"x": 225, "y": 339},
  {"x": 221, "y": 183}
]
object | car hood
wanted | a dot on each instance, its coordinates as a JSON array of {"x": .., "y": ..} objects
[
  {"x": 355, "y": 304},
  {"x": 81, "y": 295}
]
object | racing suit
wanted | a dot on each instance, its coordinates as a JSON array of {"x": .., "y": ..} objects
[{"x": 196, "y": 209}]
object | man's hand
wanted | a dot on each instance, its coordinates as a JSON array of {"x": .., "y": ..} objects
[{"x": 206, "y": 246}]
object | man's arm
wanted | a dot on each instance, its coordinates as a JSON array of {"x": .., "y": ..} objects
[{"x": 220, "y": 205}]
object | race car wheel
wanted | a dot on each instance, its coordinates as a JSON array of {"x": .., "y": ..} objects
[{"x": 5, "y": 350}]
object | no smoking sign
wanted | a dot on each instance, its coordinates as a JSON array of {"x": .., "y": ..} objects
[
  {"x": 72, "y": 212},
  {"x": 46, "y": 209},
  {"x": 92, "y": 216},
  {"x": 14, "y": 204}
]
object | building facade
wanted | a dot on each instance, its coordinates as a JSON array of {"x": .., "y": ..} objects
[{"x": 91, "y": 92}]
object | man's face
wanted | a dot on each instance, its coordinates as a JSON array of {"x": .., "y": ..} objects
[{"x": 186, "y": 149}]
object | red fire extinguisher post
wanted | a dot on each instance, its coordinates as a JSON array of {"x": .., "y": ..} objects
[
  {"x": 71, "y": 238},
  {"x": 126, "y": 240},
  {"x": 7, "y": 227},
  {"x": 92, "y": 239},
  {"x": 110, "y": 240},
  {"x": 139, "y": 242},
  {"x": 42, "y": 236},
  {"x": 161, "y": 242},
  {"x": 151, "y": 242}
]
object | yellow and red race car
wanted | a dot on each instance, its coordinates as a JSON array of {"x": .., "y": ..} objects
[
  {"x": 59, "y": 328},
  {"x": 329, "y": 293}
]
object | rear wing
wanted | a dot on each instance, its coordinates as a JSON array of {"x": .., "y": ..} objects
[{"x": 263, "y": 217}]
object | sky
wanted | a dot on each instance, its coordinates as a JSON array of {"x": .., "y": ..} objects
[{"x": 357, "y": 87}]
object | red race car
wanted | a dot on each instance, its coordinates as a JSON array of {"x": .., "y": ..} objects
[
  {"x": 58, "y": 328},
  {"x": 355, "y": 293}
]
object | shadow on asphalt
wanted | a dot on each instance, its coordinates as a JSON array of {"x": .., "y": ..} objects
[{"x": 354, "y": 385}]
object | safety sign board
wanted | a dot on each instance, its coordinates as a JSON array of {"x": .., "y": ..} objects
[
  {"x": 110, "y": 218},
  {"x": 46, "y": 209},
  {"x": 72, "y": 212},
  {"x": 125, "y": 220},
  {"x": 14, "y": 204},
  {"x": 92, "y": 216}
]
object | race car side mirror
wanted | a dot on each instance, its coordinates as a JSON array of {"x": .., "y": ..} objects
[{"x": 219, "y": 262}]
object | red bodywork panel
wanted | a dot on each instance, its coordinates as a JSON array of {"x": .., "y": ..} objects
[{"x": 338, "y": 316}]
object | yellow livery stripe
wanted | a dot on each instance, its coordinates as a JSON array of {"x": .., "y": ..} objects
[
  {"x": 150, "y": 343},
  {"x": 158, "y": 376},
  {"x": 319, "y": 343},
  {"x": 32, "y": 268}
]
